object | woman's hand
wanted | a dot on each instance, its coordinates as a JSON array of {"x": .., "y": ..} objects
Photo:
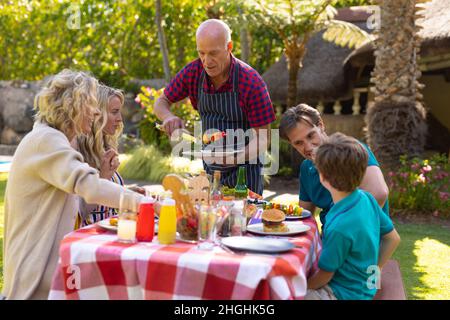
[{"x": 110, "y": 163}]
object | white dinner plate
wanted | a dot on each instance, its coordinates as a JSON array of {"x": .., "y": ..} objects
[
  {"x": 305, "y": 214},
  {"x": 106, "y": 225},
  {"x": 255, "y": 244},
  {"x": 295, "y": 227}
]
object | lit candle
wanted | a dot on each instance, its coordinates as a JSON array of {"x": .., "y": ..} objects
[{"x": 126, "y": 230}]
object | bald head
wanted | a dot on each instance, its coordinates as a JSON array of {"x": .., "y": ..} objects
[
  {"x": 214, "y": 47},
  {"x": 214, "y": 29}
]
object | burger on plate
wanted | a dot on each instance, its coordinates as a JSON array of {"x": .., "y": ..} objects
[{"x": 272, "y": 220}]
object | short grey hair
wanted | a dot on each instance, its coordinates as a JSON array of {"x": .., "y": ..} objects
[{"x": 226, "y": 28}]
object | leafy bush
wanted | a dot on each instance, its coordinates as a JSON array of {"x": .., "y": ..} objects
[
  {"x": 149, "y": 133},
  {"x": 150, "y": 164},
  {"x": 285, "y": 171},
  {"x": 116, "y": 40},
  {"x": 421, "y": 185},
  {"x": 129, "y": 142}
]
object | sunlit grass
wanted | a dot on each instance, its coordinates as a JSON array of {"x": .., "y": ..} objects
[
  {"x": 423, "y": 255},
  {"x": 433, "y": 263}
]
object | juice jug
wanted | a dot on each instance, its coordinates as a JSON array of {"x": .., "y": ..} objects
[{"x": 167, "y": 229}]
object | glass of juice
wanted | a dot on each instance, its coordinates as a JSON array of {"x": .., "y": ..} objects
[
  {"x": 207, "y": 218},
  {"x": 126, "y": 226}
]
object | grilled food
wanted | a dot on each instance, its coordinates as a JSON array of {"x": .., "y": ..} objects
[{"x": 272, "y": 220}]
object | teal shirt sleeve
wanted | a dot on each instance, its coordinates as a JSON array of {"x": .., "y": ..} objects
[
  {"x": 372, "y": 160},
  {"x": 303, "y": 183},
  {"x": 386, "y": 224},
  {"x": 335, "y": 250}
]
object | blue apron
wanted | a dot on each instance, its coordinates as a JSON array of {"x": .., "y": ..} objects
[{"x": 221, "y": 111}]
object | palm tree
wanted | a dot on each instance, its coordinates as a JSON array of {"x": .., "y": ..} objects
[
  {"x": 396, "y": 119},
  {"x": 295, "y": 22}
]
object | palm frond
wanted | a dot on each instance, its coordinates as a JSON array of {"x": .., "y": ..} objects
[{"x": 345, "y": 34}]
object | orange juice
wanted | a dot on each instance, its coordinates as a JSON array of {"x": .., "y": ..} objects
[{"x": 167, "y": 228}]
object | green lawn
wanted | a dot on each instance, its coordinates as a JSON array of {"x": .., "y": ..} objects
[{"x": 424, "y": 256}]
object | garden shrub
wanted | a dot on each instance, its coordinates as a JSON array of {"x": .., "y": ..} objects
[
  {"x": 148, "y": 131},
  {"x": 150, "y": 164},
  {"x": 421, "y": 186}
]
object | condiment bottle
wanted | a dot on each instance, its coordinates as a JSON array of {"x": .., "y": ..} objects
[
  {"x": 167, "y": 229},
  {"x": 241, "y": 190},
  {"x": 146, "y": 220}
]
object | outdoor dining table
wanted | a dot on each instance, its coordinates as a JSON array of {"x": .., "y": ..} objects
[{"x": 108, "y": 269}]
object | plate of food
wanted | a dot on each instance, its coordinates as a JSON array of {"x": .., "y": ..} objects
[
  {"x": 303, "y": 215},
  {"x": 111, "y": 224},
  {"x": 255, "y": 244},
  {"x": 211, "y": 153},
  {"x": 292, "y": 211},
  {"x": 274, "y": 223}
]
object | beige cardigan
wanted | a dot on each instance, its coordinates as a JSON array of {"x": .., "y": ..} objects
[{"x": 40, "y": 208}]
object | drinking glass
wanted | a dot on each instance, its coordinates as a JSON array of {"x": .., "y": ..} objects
[
  {"x": 207, "y": 219},
  {"x": 128, "y": 208}
]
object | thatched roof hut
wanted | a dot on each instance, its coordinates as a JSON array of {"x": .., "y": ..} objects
[
  {"x": 329, "y": 72},
  {"x": 435, "y": 37},
  {"x": 323, "y": 75}
]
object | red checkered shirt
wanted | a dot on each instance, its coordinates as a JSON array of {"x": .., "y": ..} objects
[{"x": 254, "y": 97}]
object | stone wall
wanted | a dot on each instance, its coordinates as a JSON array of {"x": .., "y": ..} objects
[
  {"x": 16, "y": 112},
  {"x": 351, "y": 125}
]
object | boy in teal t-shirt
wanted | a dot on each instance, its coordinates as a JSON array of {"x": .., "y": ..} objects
[
  {"x": 352, "y": 255},
  {"x": 311, "y": 190}
]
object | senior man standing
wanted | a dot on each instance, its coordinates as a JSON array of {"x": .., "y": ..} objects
[{"x": 229, "y": 95}]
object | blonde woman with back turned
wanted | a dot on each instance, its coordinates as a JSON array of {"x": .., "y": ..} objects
[{"x": 46, "y": 176}]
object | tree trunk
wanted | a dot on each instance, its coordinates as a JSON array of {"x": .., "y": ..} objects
[
  {"x": 162, "y": 41},
  {"x": 293, "y": 68},
  {"x": 293, "y": 64},
  {"x": 396, "y": 120},
  {"x": 245, "y": 39},
  {"x": 267, "y": 55}
]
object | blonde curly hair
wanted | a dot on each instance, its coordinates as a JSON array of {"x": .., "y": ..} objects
[
  {"x": 62, "y": 101},
  {"x": 94, "y": 145}
]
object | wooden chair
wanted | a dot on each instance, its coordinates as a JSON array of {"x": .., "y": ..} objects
[{"x": 391, "y": 283}]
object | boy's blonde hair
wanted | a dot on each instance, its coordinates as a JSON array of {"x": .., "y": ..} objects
[
  {"x": 62, "y": 101},
  {"x": 342, "y": 161},
  {"x": 94, "y": 145}
]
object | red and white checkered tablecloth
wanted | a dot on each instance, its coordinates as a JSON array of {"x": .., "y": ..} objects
[{"x": 93, "y": 265}]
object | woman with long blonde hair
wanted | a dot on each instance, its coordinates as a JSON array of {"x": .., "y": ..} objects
[
  {"x": 46, "y": 179},
  {"x": 99, "y": 149}
]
